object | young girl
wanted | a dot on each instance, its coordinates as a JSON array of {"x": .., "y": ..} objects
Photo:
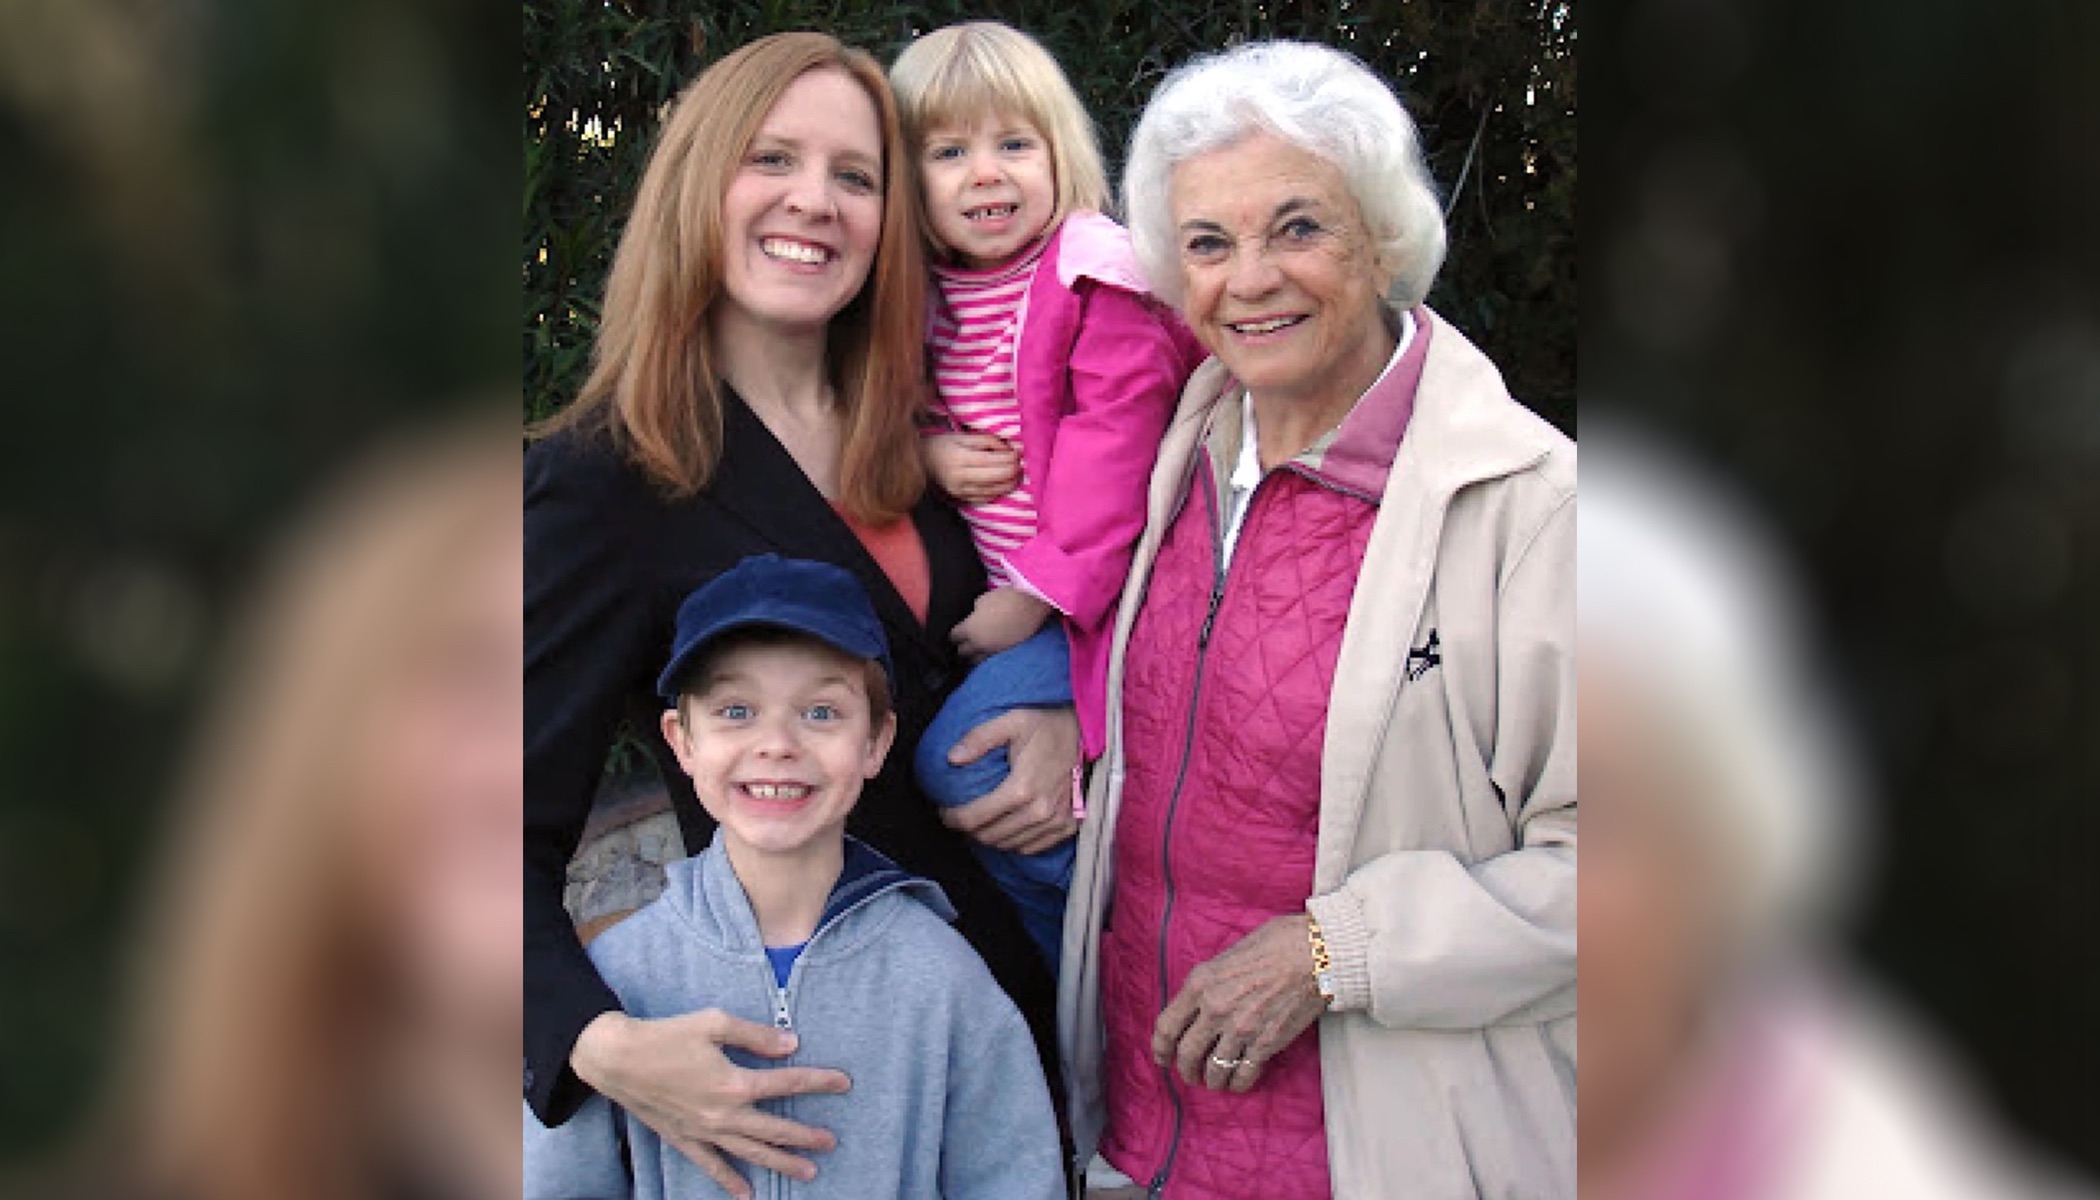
[{"x": 1056, "y": 372}]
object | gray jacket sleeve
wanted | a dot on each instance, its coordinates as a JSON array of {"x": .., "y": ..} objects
[
  {"x": 579, "y": 1159},
  {"x": 998, "y": 1136}
]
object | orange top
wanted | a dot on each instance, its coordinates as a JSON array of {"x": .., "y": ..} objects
[{"x": 896, "y": 548}]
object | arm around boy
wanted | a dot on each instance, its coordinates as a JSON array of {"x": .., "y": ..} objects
[
  {"x": 778, "y": 707},
  {"x": 948, "y": 1098}
]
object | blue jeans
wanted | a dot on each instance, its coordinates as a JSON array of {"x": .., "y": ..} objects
[{"x": 1035, "y": 674}]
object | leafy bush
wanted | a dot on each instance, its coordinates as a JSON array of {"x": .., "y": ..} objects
[{"x": 1491, "y": 82}]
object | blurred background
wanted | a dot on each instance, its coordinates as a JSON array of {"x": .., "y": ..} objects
[
  {"x": 241, "y": 243},
  {"x": 1841, "y": 265}
]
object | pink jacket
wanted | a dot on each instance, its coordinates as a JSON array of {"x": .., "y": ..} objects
[
  {"x": 1444, "y": 852},
  {"x": 1099, "y": 365},
  {"x": 1224, "y": 711}
]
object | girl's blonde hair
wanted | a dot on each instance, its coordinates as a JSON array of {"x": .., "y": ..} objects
[
  {"x": 957, "y": 73},
  {"x": 654, "y": 381}
]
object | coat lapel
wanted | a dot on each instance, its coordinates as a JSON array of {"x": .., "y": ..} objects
[
  {"x": 1458, "y": 436},
  {"x": 759, "y": 483},
  {"x": 951, "y": 561}
]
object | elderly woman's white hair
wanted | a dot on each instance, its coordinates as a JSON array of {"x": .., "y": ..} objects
[
  {"x": 1682, "y": 599},
  {"x": 1314, "y": 97}
]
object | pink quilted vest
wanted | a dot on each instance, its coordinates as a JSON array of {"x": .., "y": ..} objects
[{"x": 1224, "y": 711}]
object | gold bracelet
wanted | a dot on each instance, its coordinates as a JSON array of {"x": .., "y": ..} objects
[{"x": 1323, "y": 965}]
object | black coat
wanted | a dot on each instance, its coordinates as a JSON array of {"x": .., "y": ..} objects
[{"x": 607, "y": 561}]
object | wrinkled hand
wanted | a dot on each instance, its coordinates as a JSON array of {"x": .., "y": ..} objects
[
  {"x": 1247, "y": 1003},
  {"x": 1000, "y": 620},
  {"x": 1032, "y": 810},
  {"x": 671, "y": 1074},
  {"x": 975, "y": 468}
]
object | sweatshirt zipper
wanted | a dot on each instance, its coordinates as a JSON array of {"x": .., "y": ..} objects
[
  {"x": 783, "y": 1019},
  {"x": 781, "y": 1185},
  {"x": 1158, "y": 1186}
]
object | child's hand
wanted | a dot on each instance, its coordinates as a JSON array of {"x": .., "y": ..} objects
[
  {"x": 975, "y": 468},
  {"x": 1003, "y": 618}
]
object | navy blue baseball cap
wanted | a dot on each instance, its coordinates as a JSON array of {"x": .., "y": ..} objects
[{"x": 768, "y": 591}]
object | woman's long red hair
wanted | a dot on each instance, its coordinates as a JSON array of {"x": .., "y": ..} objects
[{"x": 654, "y": 383}]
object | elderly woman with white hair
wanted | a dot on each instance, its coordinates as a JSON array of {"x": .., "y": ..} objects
[{"x": 1321, "y": 939}]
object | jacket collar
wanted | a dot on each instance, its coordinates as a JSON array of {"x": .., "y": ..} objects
[
  {"x": 867, "y": 874},
  {"x": 1355, "y": 456},
  {"x": 1091, "y": 246},
  {"x": 1431, "y": 426},
  {"x": 758, "y": 482},
  {"x": 705, "y": 892},
  {"x": 1466, "y": 427},
  {"x": 1360, "y": 456}
]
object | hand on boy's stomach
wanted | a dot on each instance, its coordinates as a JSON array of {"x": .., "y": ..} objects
[
  {"x": 1032, "y": 810},
  {"x": 670, "y": 1073}
]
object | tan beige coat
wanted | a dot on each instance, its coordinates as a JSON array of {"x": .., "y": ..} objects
[{"x": 1445, "y": 873}]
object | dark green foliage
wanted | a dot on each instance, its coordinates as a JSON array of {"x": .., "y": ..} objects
[{"x": 1491, "y": 82}]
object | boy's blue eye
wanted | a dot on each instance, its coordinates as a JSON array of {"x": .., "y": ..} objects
[
  {"x": 734, "y": 712},
  {"x": 823, "y": 712}
]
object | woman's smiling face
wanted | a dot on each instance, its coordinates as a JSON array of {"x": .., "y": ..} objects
[
  {"x": 1283, "y": 282},
  {"x": 803, "y": 213}
]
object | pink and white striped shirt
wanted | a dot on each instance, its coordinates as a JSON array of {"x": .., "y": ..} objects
[{"x": 972, "y": 343}]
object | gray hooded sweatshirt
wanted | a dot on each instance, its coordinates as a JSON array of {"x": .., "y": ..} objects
[{"x": 948, "y": 1099}]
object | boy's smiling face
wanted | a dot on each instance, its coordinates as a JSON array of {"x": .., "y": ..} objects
[{"x": 779, "y": 737}]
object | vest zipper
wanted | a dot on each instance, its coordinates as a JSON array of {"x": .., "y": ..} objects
[
  {"x": 1158, "y": 1185},
  {"x": 1210, "y": 618}
]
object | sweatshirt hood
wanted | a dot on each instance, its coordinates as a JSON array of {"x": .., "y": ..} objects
[{"x": 703, "y": 892}]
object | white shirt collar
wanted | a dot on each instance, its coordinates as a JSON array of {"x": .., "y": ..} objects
[{"x": 1246, "y": 470}]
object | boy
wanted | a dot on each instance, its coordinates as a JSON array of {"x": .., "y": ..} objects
[{"x": 778, "y": 687}]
